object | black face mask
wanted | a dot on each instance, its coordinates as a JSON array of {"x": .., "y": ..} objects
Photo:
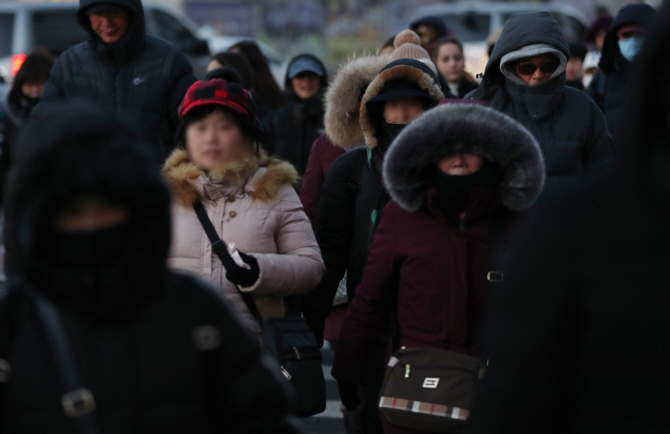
[
  {"x": 30, "y": 101},
  {"x": 389, "y": 133},
  {"x": 87, "y": 250},
  {"x": 454, "y": 190}
]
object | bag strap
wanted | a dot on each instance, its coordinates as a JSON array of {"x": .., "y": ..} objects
[
  {"x": 219, "y": 249},
  {"x": 78, "y": 402}
]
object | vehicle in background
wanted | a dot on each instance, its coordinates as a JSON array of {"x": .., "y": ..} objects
[
  {"x": 218, "y": 43},
  {"x": 25, "y": 26},
  {"x": 472, "y": 22}
]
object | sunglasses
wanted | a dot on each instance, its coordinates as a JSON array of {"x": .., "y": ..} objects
[{"x": 530, "y": 68}]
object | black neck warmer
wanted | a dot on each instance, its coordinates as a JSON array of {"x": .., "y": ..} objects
[
  {"x": 388, "y": 134},
  {"x": 86, "y": 250},
  {"x": 454, "y": 190}
]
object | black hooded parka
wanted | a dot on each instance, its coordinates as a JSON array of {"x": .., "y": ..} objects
[
  {"x": 570, "y": 128},
  {"x": 133, "y": 326},
  {"x": 141, "y": 77}
]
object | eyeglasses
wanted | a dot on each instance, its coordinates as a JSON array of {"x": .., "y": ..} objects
[{"x": 530, "y": 68}]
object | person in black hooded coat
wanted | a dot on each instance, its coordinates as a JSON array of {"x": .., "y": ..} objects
[
  {"x": 293, "y": 128},
  {"x": 610, "y": 87},
  {"x": 570, "y": 128},
  {"x": 577, "y": 338},
  {"x": 142, "y": 77},
  {"x": 88, "y": 229}
]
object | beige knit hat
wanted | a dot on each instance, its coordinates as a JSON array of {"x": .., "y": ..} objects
[{"x": 407, "y": 45}]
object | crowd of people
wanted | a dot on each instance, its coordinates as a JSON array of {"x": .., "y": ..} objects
[{"x": 515, "y": 224}]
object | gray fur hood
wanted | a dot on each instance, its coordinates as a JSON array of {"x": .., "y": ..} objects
[
  {"x": 455, "y": 127},
  {"x": 343, "y": 100}
]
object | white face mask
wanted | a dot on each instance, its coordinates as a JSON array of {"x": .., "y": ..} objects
[{"x": 586, "y": 79}]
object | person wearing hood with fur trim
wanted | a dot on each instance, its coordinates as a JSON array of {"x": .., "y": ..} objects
[
  {"x": 343, "y": 133},
  {"x": 141, "y": 77},
  {"x": 609, "y": 88},
  {"x": 249, "y": 198},
  {"x": 457, "y": 177},
  {"x": 88, "y": 230},
  {"x": 342, "y": 126},
  {"x": 293, "y": 128},
  {"x": 525, "y": 79},
  {"x": 353, "y": 195}
]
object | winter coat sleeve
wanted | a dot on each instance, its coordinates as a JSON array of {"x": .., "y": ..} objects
[
  {"x": 181, "y": 77},
  {"x": 334, "y": 231},
  {"x": 313, "y": 180},
  {"x": 599, "y": 151},
  {"x": 53, "y": 90},
  {"x": 297, "y": 266},
  {"x": 370, "y": 310},
  {"x": 244, "y": 396}
]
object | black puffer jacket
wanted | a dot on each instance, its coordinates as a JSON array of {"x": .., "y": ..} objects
[
  {"x": 293, "y": 128},
  {"x": 133, "y": 326},
  {"x": 570, "y": 128},
  {"x": 577, "y": 339},
  {"x": 610, "y": 87},
  {"x": 143, "y": 78},
  {"x": 353, "y": 194}
]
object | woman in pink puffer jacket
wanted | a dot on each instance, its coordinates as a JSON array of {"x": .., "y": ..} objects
[{"x": 248, "y": 197}]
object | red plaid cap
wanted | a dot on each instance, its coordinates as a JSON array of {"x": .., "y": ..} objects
[{"x": 218, "y": 92}]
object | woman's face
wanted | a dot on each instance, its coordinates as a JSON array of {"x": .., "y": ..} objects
[
  {"x": 214, "y": 140},
  {"x": 460, "y": 163},
  {"x": 402, "y": 111},
  {"x": 32, "y": 90},
  {"x": 89, "y": 214},
  {"x": 450, "y": 62},
  {"x": 213, "y": 64},
  {"x": 306, "y": 85}
]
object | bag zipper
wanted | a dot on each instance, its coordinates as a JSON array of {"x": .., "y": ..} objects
[{"x": 285, "y": 372}]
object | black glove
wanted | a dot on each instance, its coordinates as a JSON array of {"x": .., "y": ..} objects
[
  {"x": 238, "y": 275},
  {"x": 317, "y": 328},
  {"x": 349, "y": 395}
]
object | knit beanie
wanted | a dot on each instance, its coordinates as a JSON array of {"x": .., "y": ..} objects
[{"x": 407, "y": 45}]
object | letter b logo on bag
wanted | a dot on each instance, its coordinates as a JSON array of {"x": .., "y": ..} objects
[{"x": 430, "y": 383}]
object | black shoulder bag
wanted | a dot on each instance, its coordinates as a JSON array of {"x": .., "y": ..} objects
[{"x": 289, "y": 341}]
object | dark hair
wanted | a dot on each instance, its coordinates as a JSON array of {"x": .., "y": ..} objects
[
  {"x": 578, "y": 51},
  {"x": 35, "y": 69},
  {"x": 239, "y": 63},
  {"x": 249, "y": 129},
  {"x": 263, "y": 83},
  {"x": 389, "y": 42},
  {"x": 447, "y": 40},
  {"x": 229, "y": 74}
]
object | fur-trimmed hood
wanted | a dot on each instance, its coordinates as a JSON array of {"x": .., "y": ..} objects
[
  {"x": 343, "y": 100},
  {"x": 259, "y": 177},
  {"x": 409, "y": 70},
  {"x": 472, "y": 128}
]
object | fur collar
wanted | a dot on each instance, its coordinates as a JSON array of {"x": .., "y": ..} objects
[
  {"x": 400, "y": 71},
  {"x": 458, "y": 127},
  {"x": 261, "y": 177},
  {"x": 343, "y": 100}
]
